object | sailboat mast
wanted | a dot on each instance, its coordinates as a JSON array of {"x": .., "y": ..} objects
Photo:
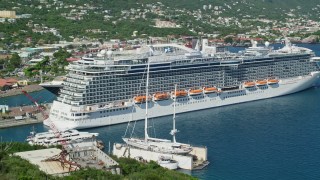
[
  {"x": 147, "y": 98},
  {"x": 174, "y": 113}
]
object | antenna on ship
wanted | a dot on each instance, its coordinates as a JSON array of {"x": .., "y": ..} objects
[{"x": 174, "y": 130}]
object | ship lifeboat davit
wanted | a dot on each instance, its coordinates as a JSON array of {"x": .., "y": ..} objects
[
  {"x": 261, "y": 82},
  {"x": 181, "y": 93},
  {"x": 208, "y": 90},
  {"x": 140, "y": 99},
  {"x": 273, "y": 81},
  {"x": 195, "y": 92},
  {"x": 249, "y": 84},
  {"x": 161, "y": 96}
]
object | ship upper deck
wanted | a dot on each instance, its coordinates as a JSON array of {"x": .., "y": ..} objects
[{"x": 173, "y": 55}]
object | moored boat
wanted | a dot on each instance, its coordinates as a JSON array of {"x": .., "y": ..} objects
[
  {"x": 249, "y": 84},
  {"x": 168, "y": 163},
  {"x": 140, "y": 99},
  {"x": 273, "y": 81},
  {"x": 194, "y": 92},
  {"x": 52, "y": 138},
  {"x": 180, "y": 93},
  {"x": 161, "y": 96},
  {"x": 208, "y": 90},
  {"x": 261, "y": 82}
]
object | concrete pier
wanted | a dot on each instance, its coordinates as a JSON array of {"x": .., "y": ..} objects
[
  {"x": 190, "y": 161},
  {"x": 26, "y": 115},
  {"x": 17, "y": 91}
]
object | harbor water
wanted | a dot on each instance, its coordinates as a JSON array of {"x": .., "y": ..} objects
[
  {"x": 42, "y": 96},
  {"x": 275, "y": 138}
]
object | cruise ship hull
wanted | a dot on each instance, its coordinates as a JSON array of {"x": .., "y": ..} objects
[{"x": 104, "y": 117}]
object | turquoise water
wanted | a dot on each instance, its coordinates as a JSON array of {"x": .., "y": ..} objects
[
  {"x": 270, "y": 139},
  {"x": 277, "y": 138},
  {"x": 42, "y": 96}
]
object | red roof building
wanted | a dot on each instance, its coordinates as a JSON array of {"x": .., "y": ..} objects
[
  {"x": 71, "y": 59},
  {"x": 6, "y": 84}
]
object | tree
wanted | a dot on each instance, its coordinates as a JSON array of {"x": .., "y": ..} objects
[
  {"x": 14, "y": 62},
  {"x": 228, "y": 40}
]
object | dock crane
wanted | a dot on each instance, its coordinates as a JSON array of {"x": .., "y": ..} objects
[{"x": 62, "y": 157}]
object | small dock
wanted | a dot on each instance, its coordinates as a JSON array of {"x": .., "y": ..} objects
[
  {"x": 18, "y": 91},
  {"x": 198, "y": 165},
  {"x": 24, "y": 115},
  {"x": 196, "y": 159},
  {"x": 59, "y": 162}
]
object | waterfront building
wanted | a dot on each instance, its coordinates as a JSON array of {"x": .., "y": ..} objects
[{"x": 7, "y": 14}]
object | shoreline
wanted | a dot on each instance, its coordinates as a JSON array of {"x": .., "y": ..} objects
[
  {"x": 17, "y": 91},
  {"x": 9, "y": 119},
  {"x": 14, "y": 123}
]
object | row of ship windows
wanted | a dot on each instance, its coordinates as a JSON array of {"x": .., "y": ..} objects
[
  {"x": 160, "y": 75},
  {"x": 200, "y": 75},
  {"x": 178, "y": 100},
  {"x": 186, "y": 99},
  {"x": 112, "y": 110},
  {"x": 105, "y": 100},
  {"x": 116, "y": 98},
  {"x": 217, "y": 69},
  {"x": 131, "y": 90},
  {"x": 191, "y": 102},
  {"x": 190, "y": 81},
  {"x": 129, "y": 94},
  {"x": 195, "y": 79}
]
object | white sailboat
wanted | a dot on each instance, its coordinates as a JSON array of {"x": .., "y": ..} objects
[{"x": 156, "y": 144}]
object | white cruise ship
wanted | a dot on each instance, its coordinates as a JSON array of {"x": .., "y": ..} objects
[{"x": 111, "y": 89}]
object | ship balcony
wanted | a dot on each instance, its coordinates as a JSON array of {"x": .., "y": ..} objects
[
  {"x": 74, "y": 81},
  {"x": 66, "y": 92},
  {"x": 74, "y": 76},
  {"x": 88, "y": 78},
  {"x": 84, "y": 82},
  {"x": 79, "y": 91},
  {"x": 75, "y": 103},
  {"x": 73, "y": 90},
  {"x": 61, "y": 99},
  {"x": 81, "y": 87},
  {"x": 77, "y": 94}
]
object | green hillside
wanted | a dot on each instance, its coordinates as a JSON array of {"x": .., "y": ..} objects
[
  {"x": 269, "y": 8},
  {"x": 119, "y": 18}
]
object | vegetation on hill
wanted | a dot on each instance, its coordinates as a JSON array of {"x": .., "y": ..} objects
[
  {"x": 119, "y": 18},
  {"x": 56, "y": 66},
  {"x": 13, "y": 167}
]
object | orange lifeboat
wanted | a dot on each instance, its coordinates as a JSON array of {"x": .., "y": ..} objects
[
  {"x": 208, "y": 90},
  {"x": 195, "y": 92},
  {"x": 249, "y": 84},
  {"x": 273, "y": 81},
  {"x": 140, "y": 99},
  {"x": 179, "y": 93},
  {"x": 161, "y": 96},
  {"x": 261, "y": 82}
]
